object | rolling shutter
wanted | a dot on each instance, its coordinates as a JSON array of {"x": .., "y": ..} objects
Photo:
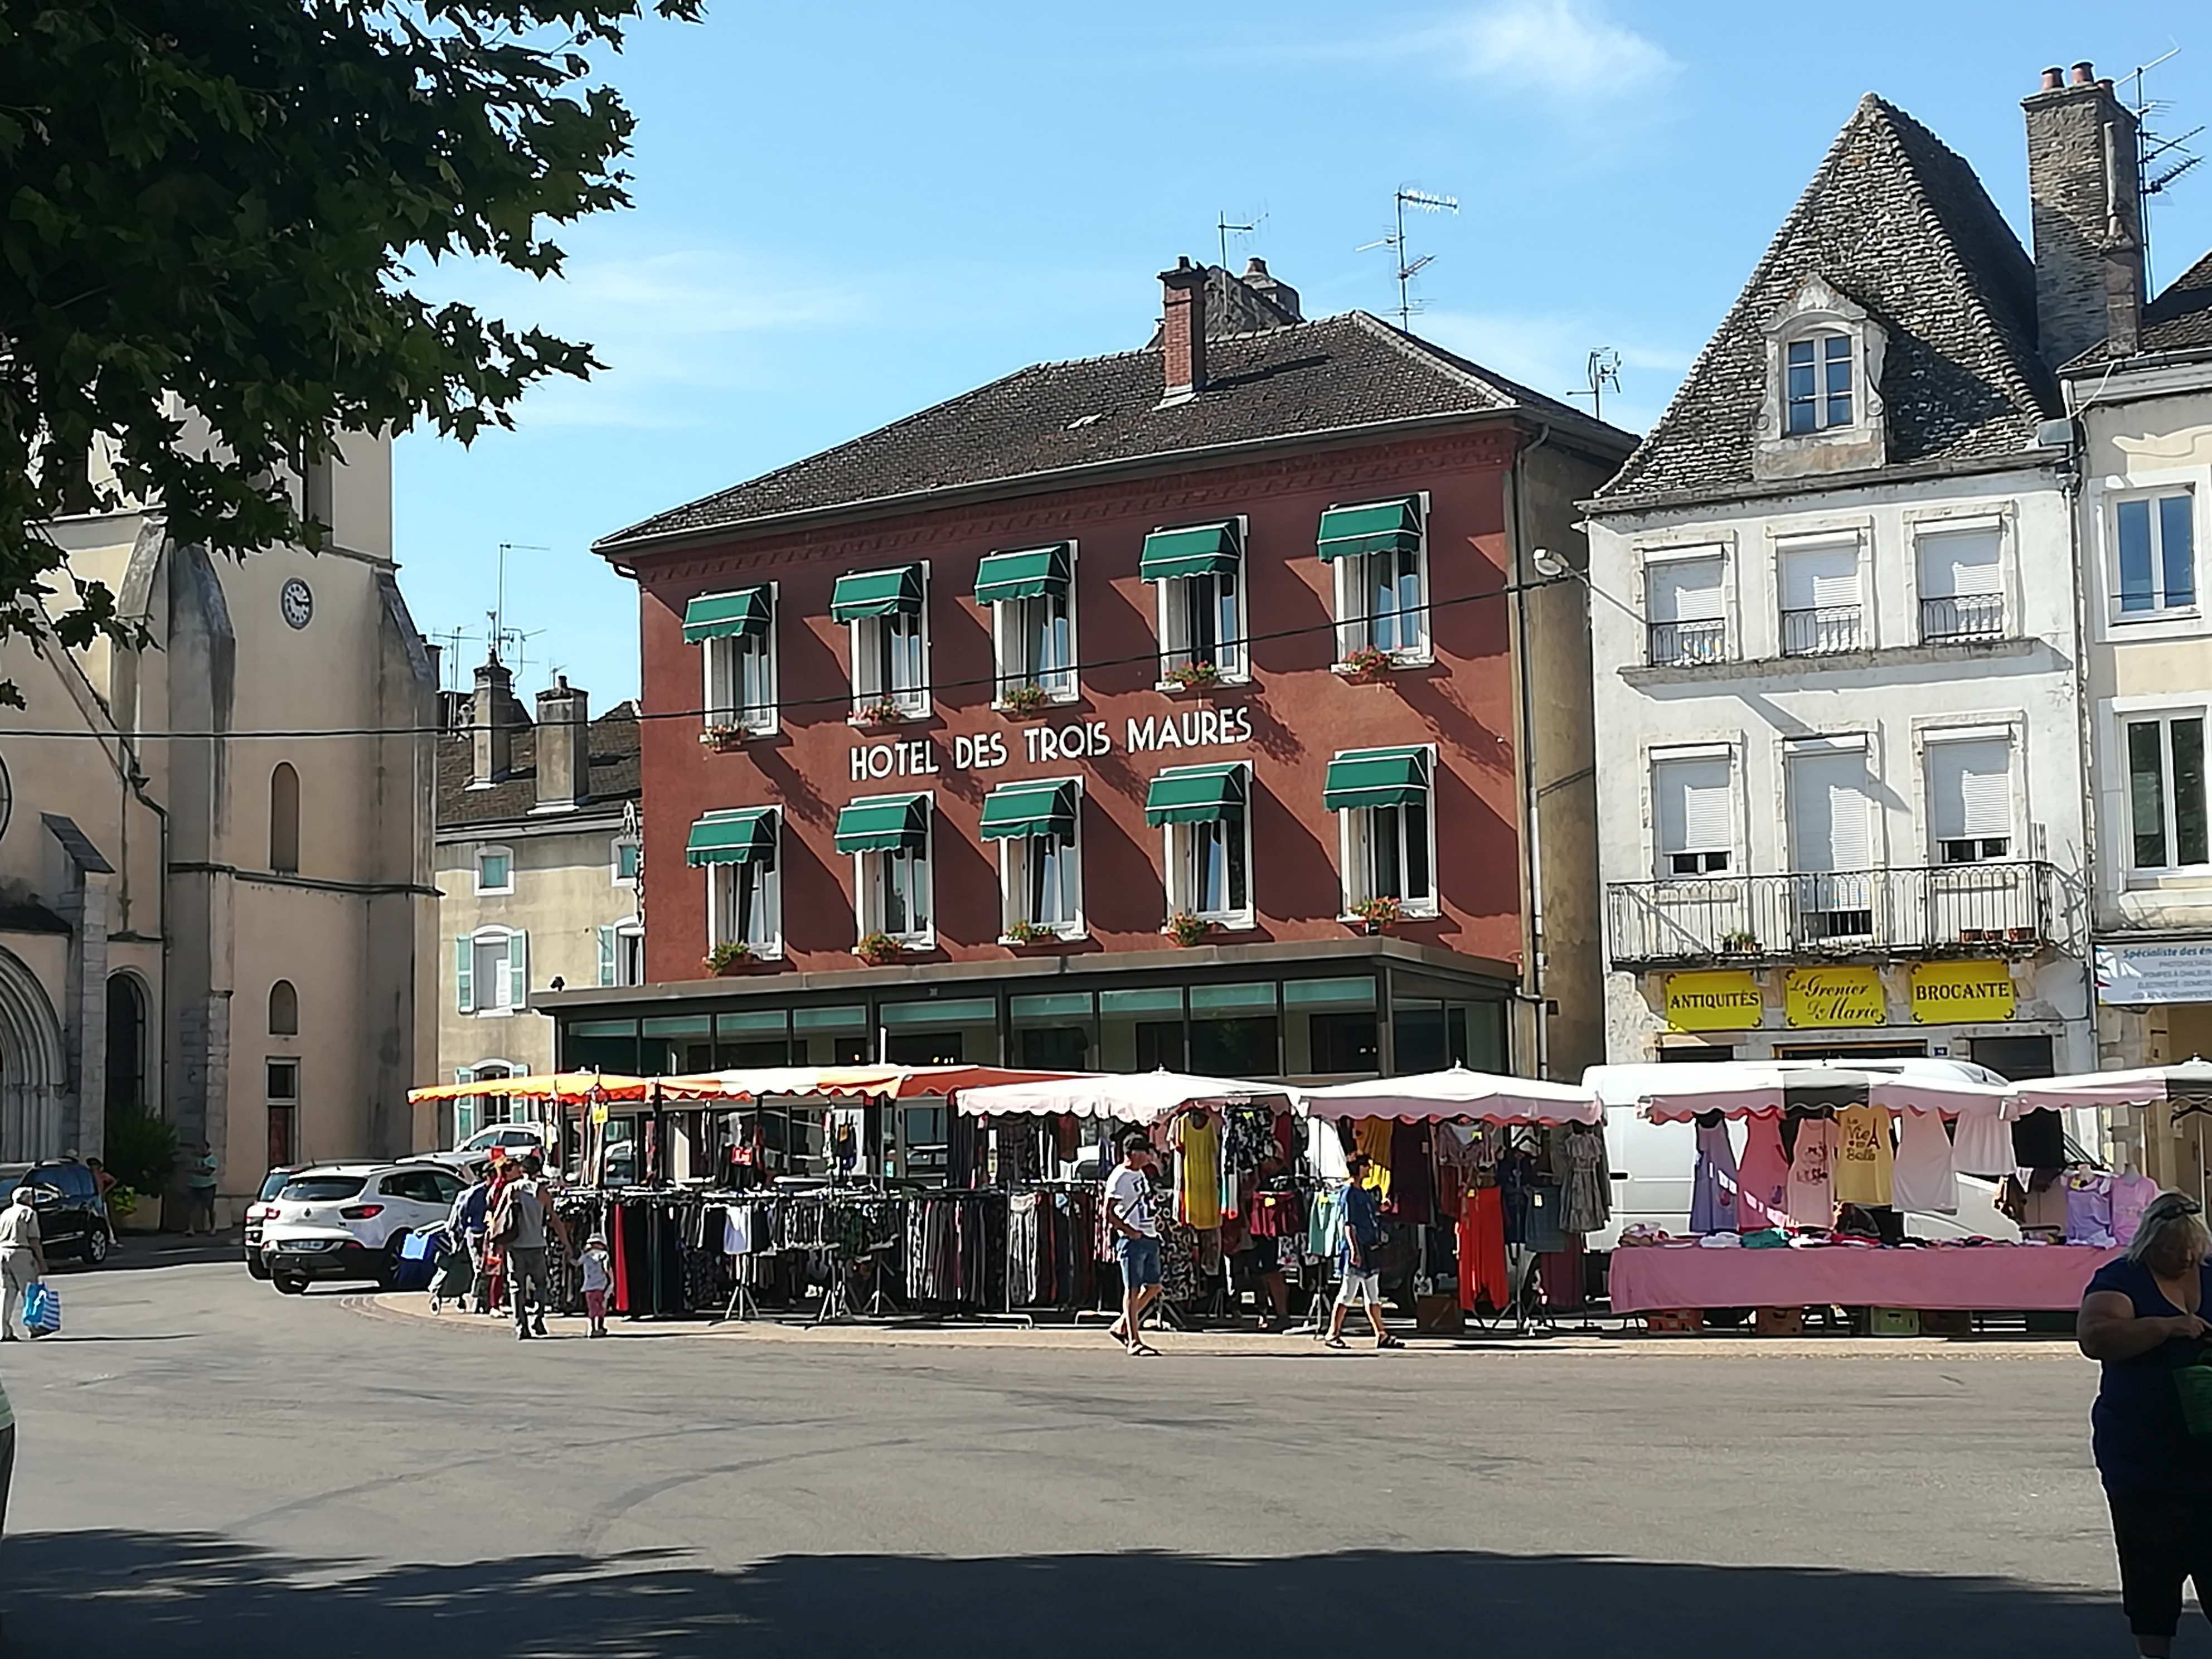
[
  {"x": 1693, "y": 809},
  {"x": 1970, "y": 789},
  {"x": 1831, "y": 810}
]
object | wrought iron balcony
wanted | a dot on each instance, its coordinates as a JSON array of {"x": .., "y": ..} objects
[
  {"x": 1963, "y": 617},
  {"x": 1674, "y": 643},
  {"x": 1999, "y": 905},
  {"x": 1821, "y": 631}
]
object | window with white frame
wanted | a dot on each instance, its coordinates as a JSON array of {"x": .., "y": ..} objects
[
  {"x": 1204, "y": 816},
  {"x": 1031, "y": 595},
  {"x": 1817, "y": 389},
  {"x": 495, "y": 870},
  {"x": 736, "y": 631},
  {"x": 621, "y": 953},
  {"x": 740, "y": 849},
  {"x": 628, "y": 851},
  {"x": 889, "y": 838},
  {"x": 2166, "y": 791},
  {"x": 1685, "y": 603},
  {"x": 887, "y": 612},
  {"x": 2154, "y": 551},
  {"x": 1693, "y": 814},
  {"x": 1961, "y": 582},
  {"x": 1037, "y": 824},
  {"x": 491, "y": 974},
  {"x": 1384, "y": 802},
  {"x": 1197, "y": 574},
  {"x": 1822, "y": 604},
  {"x": 1379, "y": 551},
  {"x": 1969, "y": 779}
]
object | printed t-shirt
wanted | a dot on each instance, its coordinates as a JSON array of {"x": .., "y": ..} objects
[
  {"x": 1371, "y": 1136},
  {"x": 1924, "y": 1179},
  {"x": 1811, "y": 1174},
  {"x": 1762, "y": 1177},
  {"x": 1864, "y": 1158},
  {"x": 1196, "y": 1137},
  {"x": 1129, "y": 1195}
]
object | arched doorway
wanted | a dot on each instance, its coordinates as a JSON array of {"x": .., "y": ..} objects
[
  {"x": 30, "y": 1066},
  {"x": 127, "y": 1046}
]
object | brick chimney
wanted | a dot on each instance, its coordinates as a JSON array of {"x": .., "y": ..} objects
[
  {"x": 492, "y": 722},
  {"x": 1183, "y": 330},
  {"x": 2084, "y": 197},
  {"x": 564, "y": 747}
]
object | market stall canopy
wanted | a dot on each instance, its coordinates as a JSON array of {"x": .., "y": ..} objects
[
  {"x": 1760, "y": 1091},
  {"x": 1131, "y": 1098},
  {"x": 752, "y": 1083},
  {"x": 2186, "y": 1083},
  {"x": 1458, "y": 1093},
  {"x": 546, "y": 1085}
]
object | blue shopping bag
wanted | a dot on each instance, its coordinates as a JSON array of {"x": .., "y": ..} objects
[{"x": 42, "y": 1309}]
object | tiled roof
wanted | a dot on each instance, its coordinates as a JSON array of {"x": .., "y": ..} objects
[
  {"x": 614, "y": 772},
  {"x": 1306, "y": 379},
  {"x": 2179, "y": 319},
  {"x": 1897, "y": 221}
]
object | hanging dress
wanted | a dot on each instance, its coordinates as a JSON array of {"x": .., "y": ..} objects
[
  {"x": 1763, "y": 1178},
  {"x": 1713, "y": 1195}
]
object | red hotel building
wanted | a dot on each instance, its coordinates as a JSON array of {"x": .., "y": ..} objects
[{"x": 952, "y": 730}]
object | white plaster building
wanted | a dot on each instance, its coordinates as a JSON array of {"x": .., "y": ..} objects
[{"x": 1839, "y": 719}]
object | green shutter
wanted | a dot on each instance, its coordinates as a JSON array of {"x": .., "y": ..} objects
[
  {"x": 866, "y": 594},
  {"x": 606, "y": 956},
  {"x": 726, "y": 616},
  {"x": 883, "y": 824},
  {"x": 1201, "y": 551},
  {"x": 1041, "y": 810},
  {"x": 1195, "y": 794},
  {"x": 1375, "y": 777},
  {"x": 744, "y": 835},
  {"x": 1393, "y": 526},
  {"x": 1028, "y": 575},
  {"x": 464, "y": 967}
]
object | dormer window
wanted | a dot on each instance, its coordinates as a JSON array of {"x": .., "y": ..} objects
[{"x": 1820, "y": 390}]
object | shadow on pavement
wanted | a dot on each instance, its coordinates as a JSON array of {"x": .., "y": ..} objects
[
  {"x": 140, "y": 1250},
  {"x": 188, "y": 1594}
]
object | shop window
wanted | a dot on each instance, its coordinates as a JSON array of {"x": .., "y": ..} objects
[
  {"x": 1379, "y": 553},
  {"x": 1031, "y": 595},
  {"x": 1197, "y": 575},
  {"x": 495, "y": 870},
  {"x": 737, "y": 632},
  {"x": 678, "y": 1043},
  {"x": 839, "y": 1035},
  {"x": 1386, "y": 827},
  {"x": 1330, "y": 1028},
  {"x": 887, "y": 613},
  {"x": 1429, "y": 1035},
  {"x": 2166, "y": 792},
  {"x": 1141, "y": 1031},
  {"x": 1055, "y": 1030},
  {"x": 751, "y": 1036},
  {"x": 2154, "y": 541},
  {"x": 1234, "y": 1030},
  {"x": 490, "y": 972}
]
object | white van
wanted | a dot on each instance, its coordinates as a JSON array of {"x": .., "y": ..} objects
[{"x": 1653, "y": 1164}]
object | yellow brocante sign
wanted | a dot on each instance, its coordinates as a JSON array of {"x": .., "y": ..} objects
[
  {"x": 1833, "y": 996},
  {"x": 1724, "y": 1000},
  {"x": 1959, "y": 993}
]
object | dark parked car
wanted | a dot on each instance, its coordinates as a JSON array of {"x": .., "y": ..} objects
[
  {"x": 72, "y": 1219},
  {"x": 259, "y": 1211}
]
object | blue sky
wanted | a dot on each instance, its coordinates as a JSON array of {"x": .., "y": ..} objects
[{"x": 849, "y": 211}]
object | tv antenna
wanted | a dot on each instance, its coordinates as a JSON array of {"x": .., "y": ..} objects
[
  {"x": 500, "y": 631},
  {"x": 1601, "y": 371},
  {"x": 2160, "y": 161},
  {"x": 1420, "y": 201},
  {"x": 1225, "y": 229}
]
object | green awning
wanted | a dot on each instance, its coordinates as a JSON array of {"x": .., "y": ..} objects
[
  {"x": 1203, "y": 550},
  {"x": 1042, "y": 810},
  {"x": 1195, "y": 794},
  {"x": 883, "y": 824},
  {"x": 1375, "y": 528},
  {"x": 876, "y": 593},
  {"x": 746, "y": 835},
  {"x": 726, "y": 616},
  {"x": 1375, "y": 777},
  {"x": 1028, "y": 575}
]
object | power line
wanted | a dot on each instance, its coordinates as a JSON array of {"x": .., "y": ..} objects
[{"x": 841, "y": 700}]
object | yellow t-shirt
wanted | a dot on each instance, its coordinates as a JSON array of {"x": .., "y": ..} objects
[
  {"x": 1197, "y": 1141},
  {"x": 1372, "y": 1136},
  {"x": 1863, "y": 1157}
]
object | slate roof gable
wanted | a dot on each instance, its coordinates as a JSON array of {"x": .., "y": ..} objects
[
  {"x": 1897, "y": 221},
  {"x": 1312, "y": 380}
]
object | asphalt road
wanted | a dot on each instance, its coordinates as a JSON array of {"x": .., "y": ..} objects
[{"x": 205, "y": 1468}]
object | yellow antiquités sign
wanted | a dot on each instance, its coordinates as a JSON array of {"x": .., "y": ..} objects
[
  {"x": 1725, "y": 1000},
  {"x": 1962, "y": 993},
  {"x": 1834, "y": 996}
]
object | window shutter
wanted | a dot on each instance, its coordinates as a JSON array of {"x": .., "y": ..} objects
[
  {"x": 1693, "y": 805},
  {"x": 1686, "y": 590},
  {"x": 1957, "y": 564},
  {"x": 606, "y": 956},
  {"x": 518, "y": 969},
  {"x": 1831, "y": 811},
  {"x": 465, "y": 963},
  {"x": 1819, "y": 577},
  {"x": 1969, "y": 788}
]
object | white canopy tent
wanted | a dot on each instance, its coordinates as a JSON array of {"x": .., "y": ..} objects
[
  {"x": 2186, "y": 1083},
  {"x": 1143, "y": 1098},
  {"x": 1458, "y": 1093},
  {"x": 1752, "y": 1090}
]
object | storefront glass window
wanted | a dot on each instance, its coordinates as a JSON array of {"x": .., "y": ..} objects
[
  {"x": 1141, "y": 1031},
  {"x": 602, "y": 1045},
  {"x": 1054, "y": 1032},
  {"x": 677, "y": 1043},
  {"x": 753, "y": 1037},
  {"x": 1430, "y": 1036},
  {"x": 940, "y": 1032},
  {"x": 838, "y": 1036},
  {"x": 1234, "y": 1031},
  {"x": 1330, "y": 1028}
]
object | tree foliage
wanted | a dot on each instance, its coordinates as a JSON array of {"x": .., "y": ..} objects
[{"x": 209, "y": 209}]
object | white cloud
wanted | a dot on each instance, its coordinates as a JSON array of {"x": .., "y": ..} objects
[{"x": 1560, "y": 48}]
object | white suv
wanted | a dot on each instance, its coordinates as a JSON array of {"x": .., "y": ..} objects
[
  {"x": 508, "y": 1139},
  {"x": 349, "y": 1220}
]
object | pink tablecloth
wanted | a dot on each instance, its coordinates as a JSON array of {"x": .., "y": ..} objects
[{"x": 1988, "y": 1277}]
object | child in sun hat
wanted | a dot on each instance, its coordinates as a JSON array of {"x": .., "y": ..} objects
[{"x": 599, "y": 1273}]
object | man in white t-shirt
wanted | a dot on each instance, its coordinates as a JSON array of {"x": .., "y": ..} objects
[
  {"x": 1129, "y": 1201},
  {"x": 23, "y": 1259}
]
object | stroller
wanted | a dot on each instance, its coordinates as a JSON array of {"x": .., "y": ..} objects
[{"x": 453, "y": 1271}]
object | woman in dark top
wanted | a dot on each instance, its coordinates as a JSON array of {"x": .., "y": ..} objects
[{"x": 2143, "y": 1316}]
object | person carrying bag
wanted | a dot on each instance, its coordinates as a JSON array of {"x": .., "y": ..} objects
[{"x": 22, "y": 1264}]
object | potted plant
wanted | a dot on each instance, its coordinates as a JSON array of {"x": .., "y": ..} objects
[
  {"x": 1366, "y": 664},
  {"x": 878, "y": 948},
  {"x": 1380, "y": 913},
  {"x": 1026, "y": 932},
  {"x": 723, "y": 739},
  {"x": 1739, "y": 942},
  {"x": 1189, "y": 676},
  {"x": 728, "y": 957},
  {"x": 1025, "y": 699},
  {"x": 882, "y": 712},
  {"x": 142, "y": 1155},
  {"x": 1186, "y": 929}
]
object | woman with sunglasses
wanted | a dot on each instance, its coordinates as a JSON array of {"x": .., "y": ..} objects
[{"x": 2144, "y": 1315}]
